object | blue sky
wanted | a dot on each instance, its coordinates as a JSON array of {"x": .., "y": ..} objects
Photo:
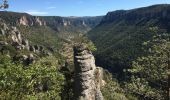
[{"x": 77, "y": 7}]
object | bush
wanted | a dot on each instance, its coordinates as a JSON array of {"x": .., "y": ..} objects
[{"x": 36, "y": 81}]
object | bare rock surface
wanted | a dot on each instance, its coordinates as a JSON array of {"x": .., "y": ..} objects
[{"x": 31, "y": 21}]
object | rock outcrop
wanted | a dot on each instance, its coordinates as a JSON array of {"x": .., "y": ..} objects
[
  {"x": 11, "y": 37},
  {"x": 31, "y": 21},
  {"x": 23, "y": 21},
  {"x": 17, "y": 40},
  {"x": 39, "y": 21},
  {"x": 88, "y": 77}
]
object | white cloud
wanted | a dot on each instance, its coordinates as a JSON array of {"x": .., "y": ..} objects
[
  {"x": 51, "y": 7},
  {"x": 35, "y": 12}
]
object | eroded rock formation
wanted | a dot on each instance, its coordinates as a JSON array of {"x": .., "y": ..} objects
[
  {"x": 88, "y": 77},
  {"x": 31, "y": 21},
  {"x": 23, "y": 21}
]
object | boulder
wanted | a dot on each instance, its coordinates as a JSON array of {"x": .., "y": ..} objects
[
  {"x": 2, "y": 32},
  {"x": 31, "y": 48},
  {"x": 29, "y": 59},
  {"x": 26, "y": 44}
]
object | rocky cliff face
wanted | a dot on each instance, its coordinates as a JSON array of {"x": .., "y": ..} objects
[
  {"x": 15, "y": 19},
  {"x": 88, "y": 78},
  {"x": 23, "y": 21},
  {"x": 31, "y": 21}
]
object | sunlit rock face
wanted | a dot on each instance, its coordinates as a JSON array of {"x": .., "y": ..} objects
[
  {"x": 31, "y": 21},
  {"x": 23, "y": 21},
  {"x": 87, "y": 83}
]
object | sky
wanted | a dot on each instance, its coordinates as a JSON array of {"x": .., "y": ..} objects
[{"x": 77, "y": 7}]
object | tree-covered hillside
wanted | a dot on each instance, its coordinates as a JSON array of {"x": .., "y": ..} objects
[
  {"x": 120, "y": 35},
  {"x": 134, "y": 46}
]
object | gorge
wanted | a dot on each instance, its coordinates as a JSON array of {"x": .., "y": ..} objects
[{"x": 57, "y": 58}]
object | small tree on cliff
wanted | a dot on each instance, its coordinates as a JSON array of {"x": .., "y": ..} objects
[{"x": 5, "y": 5}]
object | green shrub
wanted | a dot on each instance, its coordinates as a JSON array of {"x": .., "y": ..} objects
[
  {"x": 112, "y": 89},
  {"x": 37, "y": 81}
]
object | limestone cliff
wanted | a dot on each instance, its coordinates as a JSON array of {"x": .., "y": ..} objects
[
  {"x": 23, "y": 21},
  {"x": 88, "y": 77},
  {"x": 31, "y": 21}
]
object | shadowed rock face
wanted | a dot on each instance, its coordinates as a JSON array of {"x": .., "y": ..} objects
[{"x": 86, "y": 86}]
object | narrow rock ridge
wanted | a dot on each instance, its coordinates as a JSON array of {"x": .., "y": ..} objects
[{"x": 88, "y": 78}]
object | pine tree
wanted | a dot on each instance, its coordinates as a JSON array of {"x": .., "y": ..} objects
[{"x": 150, "y": 73}]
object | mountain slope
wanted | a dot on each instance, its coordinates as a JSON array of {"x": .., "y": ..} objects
[{"x": 120, "y": 34}]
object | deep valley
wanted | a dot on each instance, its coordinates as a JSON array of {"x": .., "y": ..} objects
[{"x": 123, "y": 55}]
